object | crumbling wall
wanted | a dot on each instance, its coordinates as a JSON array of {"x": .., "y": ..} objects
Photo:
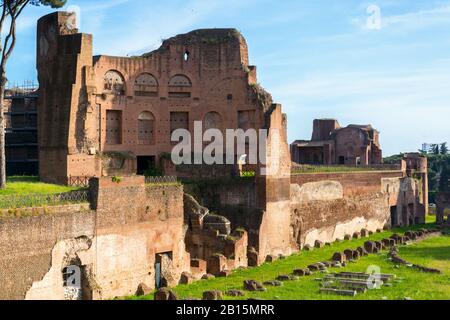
[
  {"x": 135, "y": 224},
  {"x": 27, "y": 248},
  {"x": 326, "y": 219},
  {"x": 353, "y": 183},
  {"x": 209, "y": 238},
  {"x": 115, "y": 245}
]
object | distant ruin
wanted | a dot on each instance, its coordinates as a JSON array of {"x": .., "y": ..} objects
[{"x": 332, "y": 144}]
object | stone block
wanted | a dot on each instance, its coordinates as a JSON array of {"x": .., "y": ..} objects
[
  {"x": 252, "y": 285},
  {"x": 165, "y": 294},
  {"x": 212, "y": 295},
  {"x": 143, "y": 290}
]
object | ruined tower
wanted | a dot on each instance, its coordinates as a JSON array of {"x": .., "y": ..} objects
[{"x": 64, "y": 64}]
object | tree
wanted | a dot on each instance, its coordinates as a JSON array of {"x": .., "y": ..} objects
[
  {"x": 423, "y": 150},
  {"x": 444, "y": 148},
  {"x": 434, "y": 149},
  {"x": 10, "y": 11}
]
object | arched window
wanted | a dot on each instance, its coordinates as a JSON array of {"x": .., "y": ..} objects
[
  {"x": 114, "y": 82},
  {"x": 180, "y": 87},
  {"x": 212, "y": 120},
  {"x": 146, "y": 127},
  {"x": 146, "y": 85}
]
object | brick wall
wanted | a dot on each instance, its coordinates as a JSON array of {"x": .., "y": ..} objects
[
  {"x": 116, "y": 245},
  {"x": 26, "y": 244},
  {"x": 354, "y": 183}
]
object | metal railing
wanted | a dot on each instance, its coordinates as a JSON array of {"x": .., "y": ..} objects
[
  {"x": 80, "y": 182},
  {"x": 161, "y": 180},
  {"x": 38, "y": 200}
]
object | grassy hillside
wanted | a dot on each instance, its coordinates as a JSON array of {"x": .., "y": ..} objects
[
  {"x": 432, "y": 252},
  {"x": 32, "y": 185}
]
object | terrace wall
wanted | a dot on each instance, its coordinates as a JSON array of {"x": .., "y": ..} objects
[
  {"x": 353, "y": 183},
  {"x": 26, "y": 244},
  {"x": 115, "y": 244}
]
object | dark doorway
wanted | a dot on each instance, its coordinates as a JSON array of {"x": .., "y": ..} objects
[
  {"x": 158, "y": 274},
  {"x": 145, "y": 163},
  {"x": 163, "y": 264},
  {"x": 394, "y": 220},
  {"x": 341, "y": 160}
]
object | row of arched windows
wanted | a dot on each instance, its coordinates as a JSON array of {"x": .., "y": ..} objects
[{"x": 147, "y": 85}]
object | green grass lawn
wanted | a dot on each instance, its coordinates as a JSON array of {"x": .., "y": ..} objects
[
  {"x": 432, "y": 252},
  {"x": 31, "y": 185}
]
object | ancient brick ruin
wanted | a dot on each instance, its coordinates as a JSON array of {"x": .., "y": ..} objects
[
  {"x": 331, "y": 144},
  {"x": 113, "y": 116},
  {"x": 104, "y": 115}
]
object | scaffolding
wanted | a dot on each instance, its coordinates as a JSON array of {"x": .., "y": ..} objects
[{"x": 27, "y": 88}]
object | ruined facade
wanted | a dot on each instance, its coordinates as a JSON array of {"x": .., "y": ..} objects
[
  {"x": 103, "y": 115},
  {"x": 332, "y": 144}
]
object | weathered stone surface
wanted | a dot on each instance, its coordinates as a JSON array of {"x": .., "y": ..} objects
[
  {"x": 212, "y": 295},
  {"x": 362, "y": 251},
  {"x": 302, "y": 272},
  {"x": 411, "y": 235},
  {"x": 313, "y": 267},
  {"x": 271, "y": 258},
  {"x": 273, "y": 283},
  {"x": 316, "y": 191},
  {"x": 283, "y": 277},
  {"x": 287, "y": 277},
  {"x": 186, "y": 278},
  {"x": 364, "y": 233},
  {"x": 224, "y": 273},
  {"x": 348, "y": 254},
  {"x": 143, "y": 290},
  {"x": 235, "y": 293},
  {"x": 318, "y": 244},
  {"x": 379, "y": 245},
  {"x": 208, "y": 276},
  {"x": 165, "y": 294},
  {"x": 252, "y": 256},
  {"x": 339, "y": 257},
  {"x": 252, "y": 285}
]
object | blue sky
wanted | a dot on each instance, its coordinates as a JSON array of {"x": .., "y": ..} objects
[{"x": 318, "y": 58}]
